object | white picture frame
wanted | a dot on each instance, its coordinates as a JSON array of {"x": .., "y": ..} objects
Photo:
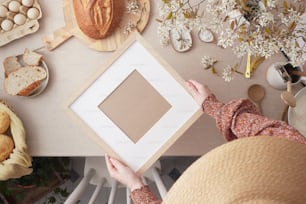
[{"x": 135, "y": 54}]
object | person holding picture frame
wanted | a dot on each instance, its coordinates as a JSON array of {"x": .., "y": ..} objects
[{"x": 263, "y": 163}]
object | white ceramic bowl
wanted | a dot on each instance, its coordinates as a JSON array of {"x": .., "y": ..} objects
[{"x": 297, "y": 115}]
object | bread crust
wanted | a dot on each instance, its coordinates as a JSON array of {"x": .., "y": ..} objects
[
  {"x": 29, "y": 89},
  {"x": 98, "y": 18}
]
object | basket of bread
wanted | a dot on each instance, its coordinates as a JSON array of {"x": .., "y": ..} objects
[
  {"x": 15, "y": 161},
  {"x": 26, "y": 74},
  {"x": 18, "y": 18}
]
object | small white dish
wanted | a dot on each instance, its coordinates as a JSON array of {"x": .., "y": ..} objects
[
  {"x": 181, "y": 39},
  {"x": 297, "y": 115},
  {"x": 206, "y": 35}
]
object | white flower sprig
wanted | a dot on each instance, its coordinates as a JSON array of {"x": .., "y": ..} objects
[
  {"x": 229, "y": 71},
  {"x": 227, "y": 74},
  {"x": 208, "y": 62}
]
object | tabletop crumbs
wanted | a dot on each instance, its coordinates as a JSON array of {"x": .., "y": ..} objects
[{"x": 14, "y": 13}]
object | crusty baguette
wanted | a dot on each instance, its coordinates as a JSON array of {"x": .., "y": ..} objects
[
  {"x": 98, "y": 18},
  {"x": 24, "y": 80},
  {"x": 31, "y": 58},
  {"x": 10, "y": 65}
]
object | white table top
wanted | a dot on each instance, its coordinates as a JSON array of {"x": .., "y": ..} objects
[{"x": 50, "y": 130}]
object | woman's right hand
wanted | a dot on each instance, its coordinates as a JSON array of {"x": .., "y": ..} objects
[{"x": 198, "y": 91}]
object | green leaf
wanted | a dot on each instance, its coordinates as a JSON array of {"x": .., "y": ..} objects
[
  {"x": 51, "y": 199},
  {"x": 265, "y": 3},
  {"x": 169, "y": 15},
  {"x": 267, "y": 30},
  {"x": 64, "y": 193},
  {"x": 158, "y": 20},
  {"x": 292, "y": 26},
  {"x": 244, "y": 6},
  {"x": 285, "y": 4},
  {"x": 166, "y": 1},
  {"x": 57, "y": 190},
  {"x": 188, "y": 14},
  {"x": 214, "y": 70}
]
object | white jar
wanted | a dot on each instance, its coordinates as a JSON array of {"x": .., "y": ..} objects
[{"x": 275, "y": 78}]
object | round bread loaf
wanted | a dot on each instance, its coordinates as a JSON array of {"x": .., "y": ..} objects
[
  {"x": 98, "y": 18},
  {"x": 4, "y": 121},
  {"x": 6, "y": 147}
]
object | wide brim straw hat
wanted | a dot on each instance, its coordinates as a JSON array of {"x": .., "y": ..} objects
[{"x": 260, "y": 169}]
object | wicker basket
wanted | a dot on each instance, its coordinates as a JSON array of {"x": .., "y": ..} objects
[{"x": 19, "y": 162}]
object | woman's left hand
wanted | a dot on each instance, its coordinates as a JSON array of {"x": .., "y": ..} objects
[{"x": 123, "y": 173}]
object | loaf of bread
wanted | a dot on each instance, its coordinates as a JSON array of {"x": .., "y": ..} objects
[
  {"x": 31, "y": 58},
  {"x": 4, "y": 121},
  {"x": 10, "y": 65},
  {"x": 98, "y": 18},
  {"x": 6, "y": 147},
  {"x": 24, "y": 81}
]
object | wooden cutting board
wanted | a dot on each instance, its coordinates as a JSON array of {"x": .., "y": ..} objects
[{"x": 110, "y": 43}]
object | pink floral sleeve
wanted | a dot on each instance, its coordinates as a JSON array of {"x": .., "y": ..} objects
[
  {"x": 240, "y": 118},
  {"x": 144, "y": 196}
]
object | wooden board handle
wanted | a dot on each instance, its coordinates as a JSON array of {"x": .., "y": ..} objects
[{"x": 59, "y": 36}]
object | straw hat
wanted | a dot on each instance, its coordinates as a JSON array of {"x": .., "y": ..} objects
[{"x": 265, "y": 170}]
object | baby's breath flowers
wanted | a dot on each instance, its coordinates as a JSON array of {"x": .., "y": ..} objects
[
  {"x": 135, "y": 11},
  {"x": 227, "y": 74},
  {"x": 229, "y": 71},
  {"x": 129, "y": 27},
  {"x": 132, "y": 7},
  {"x": 261, "y": 27}
]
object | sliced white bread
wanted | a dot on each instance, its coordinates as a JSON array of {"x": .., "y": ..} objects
[
  {"x": 24, "y": 81},
  {"x": 10, "y": 65},
  {"x": 31, "y": 58}
]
